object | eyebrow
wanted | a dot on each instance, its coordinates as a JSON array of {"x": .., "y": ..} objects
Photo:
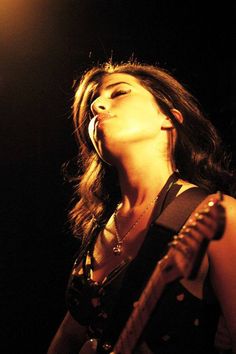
[{"x": 117, "y": 83}]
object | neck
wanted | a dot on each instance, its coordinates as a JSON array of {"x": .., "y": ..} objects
[{"x": 142, "y": 178}]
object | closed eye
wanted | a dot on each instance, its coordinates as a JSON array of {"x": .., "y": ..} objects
[{"x": 119, "y": 93}]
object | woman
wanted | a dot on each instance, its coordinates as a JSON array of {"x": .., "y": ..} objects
[{"x": 144, "y": 140}]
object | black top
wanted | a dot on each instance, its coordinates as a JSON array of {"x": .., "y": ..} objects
[{"x": 180, "y": 323}]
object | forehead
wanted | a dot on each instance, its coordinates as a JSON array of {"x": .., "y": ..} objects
[{"x": 115, "y": 78}]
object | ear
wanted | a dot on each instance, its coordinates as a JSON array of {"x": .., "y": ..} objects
[
  {"x": 178, "y": 115},
  {"x": 167, "y": 122}
]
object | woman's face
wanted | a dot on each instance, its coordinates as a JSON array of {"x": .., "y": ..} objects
[{"x": 124, "y": 113}]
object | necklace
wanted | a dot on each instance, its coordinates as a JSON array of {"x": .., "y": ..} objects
[{"x": 118, "y": 248}]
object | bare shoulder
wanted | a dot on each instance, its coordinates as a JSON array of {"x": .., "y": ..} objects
[
  {"x": 229, "y": 204},
  {"x": 222, "y": 252},
  {"x": 222, "y": 256}
]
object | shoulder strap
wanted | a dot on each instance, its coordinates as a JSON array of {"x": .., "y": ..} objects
[{"x": 177, "y": 212}]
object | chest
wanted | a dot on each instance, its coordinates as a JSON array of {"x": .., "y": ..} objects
[
  {"x": 106, "y": 260},
  {"x": 128, "y": 236},
  {"x": 150, "y": 248}
]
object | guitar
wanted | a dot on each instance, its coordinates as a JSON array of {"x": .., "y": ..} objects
[{"x": 183, "y": 259}]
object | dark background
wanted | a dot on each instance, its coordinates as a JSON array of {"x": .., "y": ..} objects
[{"x": 44, "y": 47}]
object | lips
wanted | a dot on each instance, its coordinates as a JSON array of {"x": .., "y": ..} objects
[
  {"x": 95, "y": 127},
  {"x": 103, "y": 116}
]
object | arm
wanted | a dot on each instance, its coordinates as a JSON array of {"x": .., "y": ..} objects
[
  {"x": 222, "y": 255},
  {"x": 69, "y": 337}
]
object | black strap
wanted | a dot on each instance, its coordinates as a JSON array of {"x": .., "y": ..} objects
[
  {"x": 165, "y": 192},
  {"x": 177, "y": 212}
]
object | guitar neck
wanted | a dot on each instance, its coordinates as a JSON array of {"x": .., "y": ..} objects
[{"x": 141, "y": 313}]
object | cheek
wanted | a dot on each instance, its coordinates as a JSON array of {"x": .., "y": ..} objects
[{"x": 144, "y": 117}]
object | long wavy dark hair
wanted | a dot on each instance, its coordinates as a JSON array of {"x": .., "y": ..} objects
[{"x": 197, "y": 153}]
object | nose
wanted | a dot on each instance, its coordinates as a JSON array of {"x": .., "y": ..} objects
[{"x": 100, "y": 105}]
